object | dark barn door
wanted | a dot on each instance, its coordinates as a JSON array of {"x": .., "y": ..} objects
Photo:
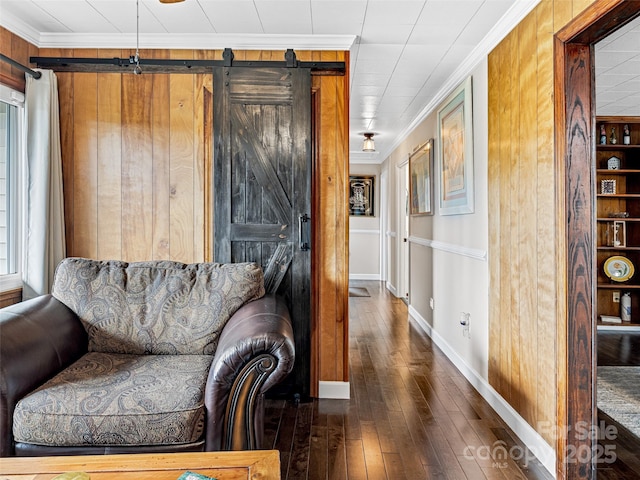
[{"x": 262, "y": 187}]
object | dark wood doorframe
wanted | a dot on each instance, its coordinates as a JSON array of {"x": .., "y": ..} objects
[{"x": 574, "y": 95}]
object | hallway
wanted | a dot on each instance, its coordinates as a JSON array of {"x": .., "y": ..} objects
[{"x": 411, "y": 415}]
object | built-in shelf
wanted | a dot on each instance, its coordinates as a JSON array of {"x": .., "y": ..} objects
[
  {"x": 617, "y": 236},
  {"x": 617, "y": 146},
  {"x": 618, "y": 195},
  {"x": 626, "y": 171},
  {"x": 615, "y": 326},
  {"x": 618, "y": 286},
  {"x": 615, "y": 249}
]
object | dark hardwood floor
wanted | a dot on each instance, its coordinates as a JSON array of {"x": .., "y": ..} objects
[
  {"x": 619, "y": 348},
  {"x": 411, "y": 415}
]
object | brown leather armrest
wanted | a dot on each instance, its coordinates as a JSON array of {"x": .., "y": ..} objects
[
  {"x": 255, "y": 351},
  {"x": 38, "y": 338}
]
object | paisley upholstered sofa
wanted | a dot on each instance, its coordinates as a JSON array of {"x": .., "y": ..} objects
[{"x": 141, "y": 357}]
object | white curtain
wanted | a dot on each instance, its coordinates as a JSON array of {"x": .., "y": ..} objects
[{"x": 45, "y": 240}]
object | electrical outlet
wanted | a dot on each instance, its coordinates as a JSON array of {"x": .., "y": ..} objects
[
  {"x": 616, "y": 297},
  {"x": 431, "y": 303}
]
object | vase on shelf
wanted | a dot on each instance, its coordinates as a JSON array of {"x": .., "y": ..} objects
[{"x": 625, "y": 307}]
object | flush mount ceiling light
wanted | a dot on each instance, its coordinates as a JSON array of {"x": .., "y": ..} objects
[
  {"x": 368, "y": 145},
  {"x": 171, "y": 1}
]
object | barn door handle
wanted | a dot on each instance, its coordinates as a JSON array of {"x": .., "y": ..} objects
[{"x": 304, "y": 225}]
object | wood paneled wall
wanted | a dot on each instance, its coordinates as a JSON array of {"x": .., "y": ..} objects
[
  {"x": 523, "y": 347},
  {"x": 19, "y": 50},
  {"x": 134, "y": 163},
  {"x": 137, "y": 157},
  {"x": 10, "y": 297},
  {"x": 331, "y": 236}
]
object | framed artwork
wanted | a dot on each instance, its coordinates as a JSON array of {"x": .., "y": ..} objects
[
  {"x": 361, "y": 195},
  {"x": 455, "y": 152},
  {"x": 421, "y": 180}
]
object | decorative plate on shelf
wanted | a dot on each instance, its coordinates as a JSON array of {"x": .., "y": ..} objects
[{"x": 618, "y": 268}]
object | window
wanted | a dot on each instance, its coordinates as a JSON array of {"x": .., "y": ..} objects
[{"x": 11, "y": 166}]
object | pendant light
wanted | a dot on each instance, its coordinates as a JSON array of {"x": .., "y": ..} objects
[
  {"x": 136, "y": 59},
  {"x": 137, "y": 70}
]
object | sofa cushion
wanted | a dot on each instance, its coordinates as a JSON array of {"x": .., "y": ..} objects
[
  {"x": 114, "y": 399},
  {"x": 159, "y": 307}
]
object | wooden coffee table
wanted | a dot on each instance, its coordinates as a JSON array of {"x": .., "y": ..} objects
[{"x": 255, "y": 464}]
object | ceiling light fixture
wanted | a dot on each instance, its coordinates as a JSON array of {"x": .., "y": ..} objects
[
  {"x": 171, "y": 1},
  {"x": 368, "y": 145}
]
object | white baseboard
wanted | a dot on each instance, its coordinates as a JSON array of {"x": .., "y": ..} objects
[
  {"x": 339, "y": 390},
  {"x": 532, "y": 439},
  {"x": 364, "y": 276},
  {"x": 392, "y": 289}
]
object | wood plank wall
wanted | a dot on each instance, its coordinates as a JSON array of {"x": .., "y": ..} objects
[
  {"x": 19, "y": 50},
  {"x": 523, "y": 346},
  {"x": 331, "y": 237},
  {"x": 134, "y": 161},
  {"x": 137, "y": 175},
  {"x": 10, "y": 297}
]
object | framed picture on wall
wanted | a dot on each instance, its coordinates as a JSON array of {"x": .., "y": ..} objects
[
  {"x": 421, "y": 180},
  {"x": 362, "y": 195},
  {"x": 455, "y": 152}
]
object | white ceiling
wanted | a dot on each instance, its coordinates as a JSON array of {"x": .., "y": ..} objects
[
  {"x": 406, "y": 55},
  {"x": 618, "y": 72}
]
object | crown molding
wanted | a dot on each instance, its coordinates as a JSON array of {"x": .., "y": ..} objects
[
  {"x": 518, "y": 11},
  {"x": 199, "y": 41},
  {"x": 18, "y": 27}
]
